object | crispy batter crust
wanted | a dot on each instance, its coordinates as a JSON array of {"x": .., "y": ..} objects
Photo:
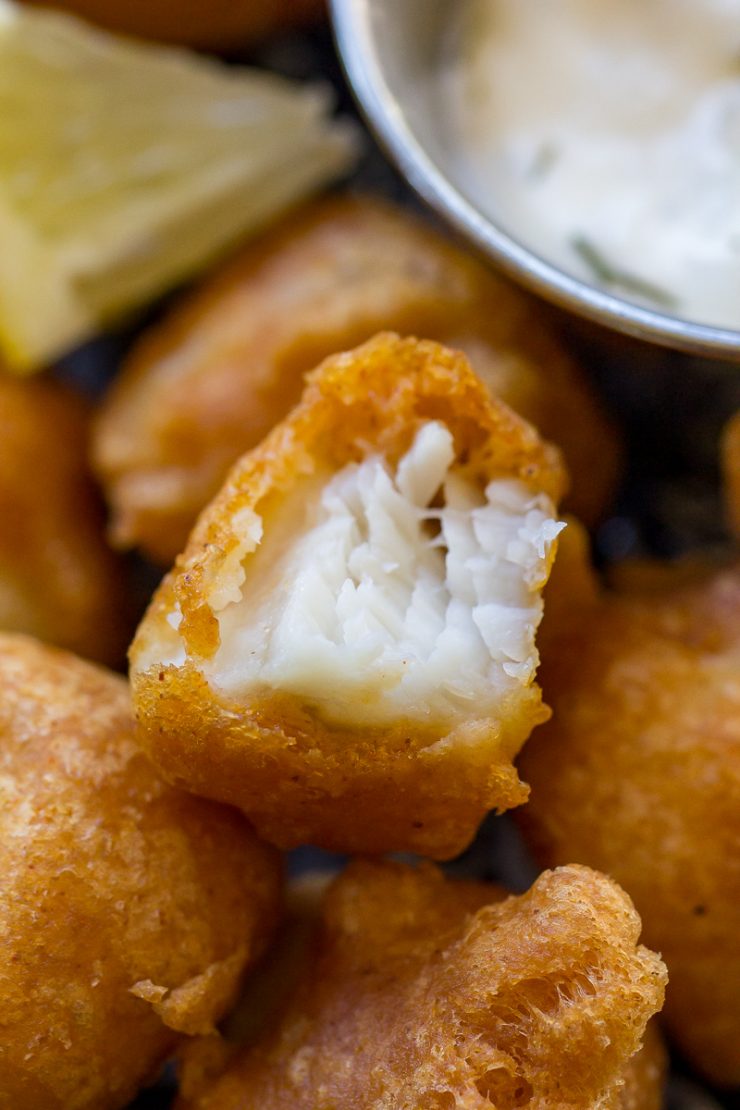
[
  {"x": 216, "y": 25},
  {"x": 211, "y": 380},
  {"x": 411, "y": 785},
  {"x": 433, "y": 993},
  {"x": 645, "y": 1074},
  {"x": 58, "y": 579},
  {"x": 128, "y": 910},
  {"x": 638, "y": 773}
]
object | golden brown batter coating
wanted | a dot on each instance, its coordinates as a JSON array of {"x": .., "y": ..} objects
[
  {"x": 645, "y": 1074},
  {"x": 204, "y": 1062},
  {"x": 433, "y": 993},
  {"x": 201, "y": 1061},
  {"x": 324, "y": 659},
  {"x": 638, "y": 773},
  {"x": 58, "y": 579},
  {"x": 128, "y": 910},
  {"x": 211, "y": 380},
  {"x": 218, "y": 24}
]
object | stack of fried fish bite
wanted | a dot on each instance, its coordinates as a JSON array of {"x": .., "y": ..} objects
[{"x": 361, "y": 528}]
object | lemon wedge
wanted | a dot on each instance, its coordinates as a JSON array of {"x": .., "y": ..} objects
[{"x": 126, "y": 166}]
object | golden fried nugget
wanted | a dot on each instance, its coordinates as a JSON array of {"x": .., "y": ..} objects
[
  {"x": 58, "y": 579},
  {"x": 217, "y": 24},
  {"x": 128, "y": 910},
  {"x": 211, "y": 380},
  {"x": 731, "y": 460},
  {"x": 204, "y": 1061},
  {"x": 638, "y": 772},
  {"x": 644, "y": 1076},
  {"x": 346, "y": 650},
  {"x": 430, "y": 993}
]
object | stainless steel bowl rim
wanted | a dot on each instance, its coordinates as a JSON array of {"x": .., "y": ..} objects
[{"x": 364, "y": 69}]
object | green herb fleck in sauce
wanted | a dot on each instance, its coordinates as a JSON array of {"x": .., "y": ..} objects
[
  {"x": 609, "y": 275},
  {"x": 543, "y": 161}
]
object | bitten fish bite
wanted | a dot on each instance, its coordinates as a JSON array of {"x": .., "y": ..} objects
[
  {"x": 445, "y": 995},
  {"x": 346, "y": 649},
  {"x": 129, "y": 910}
]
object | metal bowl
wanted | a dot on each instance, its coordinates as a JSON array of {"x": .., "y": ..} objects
[{"x": 390, "y": 49}]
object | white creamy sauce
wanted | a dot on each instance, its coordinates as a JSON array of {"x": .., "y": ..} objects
[
  {"x": 374, "y": 593},
  {"x": 605, "y": 135}
]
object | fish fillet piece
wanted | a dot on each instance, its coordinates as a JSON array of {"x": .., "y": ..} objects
[
  {"x": 129, "y": 910},
  {"x": 212, "y": 378},
  {"x": 447, "y": 995},
  {"x": 638, "y": 772},
  {"x": 59, "y": 581},
  {"x": 346, "y": 650}
]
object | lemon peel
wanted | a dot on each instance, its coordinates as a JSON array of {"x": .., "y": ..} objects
[{"x": 125, "y": 166}]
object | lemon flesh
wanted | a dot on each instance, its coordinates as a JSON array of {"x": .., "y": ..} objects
[{"x": 126, "y": 166}]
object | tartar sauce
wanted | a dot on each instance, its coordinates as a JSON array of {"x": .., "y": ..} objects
[{"x": 605, "y": 136}]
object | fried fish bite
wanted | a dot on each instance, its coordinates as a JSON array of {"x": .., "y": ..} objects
[
  {"x": 644, "y": 1076},
  {"x": 219, "y": 372},
  {"x": 638, "y": 773},
  {"x": 128, "y": 909},
  {"x": 217, "y": 25},
  {"x": 427, "y": 992},
  {"x": 346, "y": 650},
  {"x": 58, "y": 579},
  {"x": 204, "y": 1061}
]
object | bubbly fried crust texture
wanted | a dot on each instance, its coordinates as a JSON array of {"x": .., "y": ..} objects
[
  {"x": 58, "y": 579},
  {"x": 439, "y": 994},
  {"x": 219, "y": 372},
  {"x": 128, "y": 910},
  {"x": 638, "y": 772},
  {"x": 416, "y": 782}
]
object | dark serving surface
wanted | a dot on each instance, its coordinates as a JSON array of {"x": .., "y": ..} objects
[{"x": 670, "y": 407}]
